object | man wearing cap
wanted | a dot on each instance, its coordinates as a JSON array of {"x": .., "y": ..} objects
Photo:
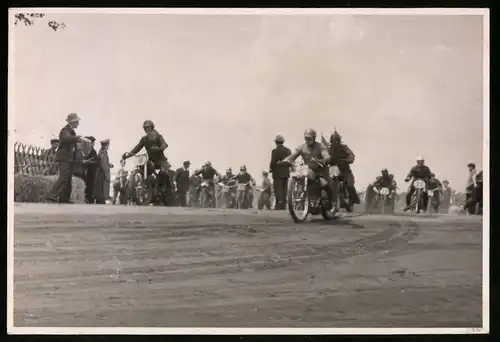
[
  {"x": 445, "y": 205},
  {"x": 65, "y": 157},
  {"x": 280, "y": 171},
  {"x": 103, "y": 176},
  {"x": 90, "y": 164},
  {"x": 265, "y": 192},
  {"x": 49, "y": 158},
  {"x": 181, "y": 183}
]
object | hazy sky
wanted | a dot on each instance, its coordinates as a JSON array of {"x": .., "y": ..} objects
[{"x": 220, "y": 88}]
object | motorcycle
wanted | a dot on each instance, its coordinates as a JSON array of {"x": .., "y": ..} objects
[
  {"x": 417, "y": 199},
  {"x": 207, "y": 197},
  {"x": 340, "y": 193},
  {"x": 243, "y": 195},
  {"x": 305, "y": 198},
  {"x": 383, "y": 195},
  {"x": 145, "y": 190},
  {"x": 227, "y": 194}
]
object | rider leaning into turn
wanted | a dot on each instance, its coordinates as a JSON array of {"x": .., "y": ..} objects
[
  {"x": 342, "y": 156},
  {"x": 310, "y": 151},
  {"x": 155, "y": 146},
  {"x": 419, "y": 171}
]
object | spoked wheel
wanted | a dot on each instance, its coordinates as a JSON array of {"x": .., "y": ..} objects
[
  {"x": 298, "y": 200},
  {"x": 142, "y": 192},
  {"x": 328, "y": 209},
  {"x": 418, "y": 201}
]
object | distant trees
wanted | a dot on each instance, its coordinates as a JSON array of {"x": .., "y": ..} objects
[{"x": 29, "y": 19}]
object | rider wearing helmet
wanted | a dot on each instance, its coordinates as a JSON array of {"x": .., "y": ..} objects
[
  {"x": 386, "y": 180},
  {"x": 245, "y": 178},
  {"x": 310, "y": 151},
  {"x": 155, "y": 146},
  {"x": 342, "y": 156},
  {"x": 227, "y": 176},
  {"x": 419, "y": 171},
  {"x": 207, "y": 173}
]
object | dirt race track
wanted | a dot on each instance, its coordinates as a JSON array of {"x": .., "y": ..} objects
[{"x": 82, "y": 265}]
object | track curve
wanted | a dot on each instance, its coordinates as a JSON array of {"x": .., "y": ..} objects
[{"x": 83, "y": 265}]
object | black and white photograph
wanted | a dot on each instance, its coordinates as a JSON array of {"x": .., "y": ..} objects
[{"x": 248, "y": 171}]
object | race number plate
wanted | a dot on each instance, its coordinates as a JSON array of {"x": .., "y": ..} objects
[
  {"x": 241, "y": 187},
  {"x": 419, "y": 184},
  {"x": 384, "y": 191},
  {"x": 334, "y": 171},
  {"x": 141, "y": 159}
]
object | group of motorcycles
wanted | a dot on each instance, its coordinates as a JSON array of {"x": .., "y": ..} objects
[
  {"x": 139, "y": 189},
  {"x": 384, "y": 199},
  {"x": 305, "y": 197}
]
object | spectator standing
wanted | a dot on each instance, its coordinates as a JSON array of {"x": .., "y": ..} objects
[
  {"x": 103, "y": 177},
  {"x": 470, "y": 186},
  {"x": 65, "y": 156},
  {"x": 181, "y": 182},
  {"x": 281, "y": 172},
  {"x": 90, "y": 163}
]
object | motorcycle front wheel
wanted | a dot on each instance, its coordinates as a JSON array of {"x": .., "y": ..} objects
[{"x": 298, "y": 200}]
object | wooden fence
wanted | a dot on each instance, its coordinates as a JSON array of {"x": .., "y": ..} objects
[
  {"x": 36, "y": 161},
  {"x": 33, "y": 160}
]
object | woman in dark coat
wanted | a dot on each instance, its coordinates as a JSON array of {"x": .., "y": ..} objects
[{"x": 103, "y": 177}]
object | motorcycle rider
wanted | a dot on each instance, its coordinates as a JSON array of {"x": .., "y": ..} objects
[
  {"x": 419, "y": 171},
  {"x": 386, "y": 180},
  {"x": 224, "y": 180},
  {"x": 243, "y": 178},
  {"x": 342, "y": 156},
  {"x": 207, "y": 173},
  {"x": 155, "y": 146},
  {"x": 435, "y": 184},
  {"x": 227, "y": 176},
  {"x": 309, "y": 151}
]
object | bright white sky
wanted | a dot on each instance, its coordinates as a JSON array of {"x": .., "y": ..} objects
[{"x": 220, "y": 88}]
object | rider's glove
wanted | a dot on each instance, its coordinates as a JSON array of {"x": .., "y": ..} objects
[{"x": 407, "y": 179}]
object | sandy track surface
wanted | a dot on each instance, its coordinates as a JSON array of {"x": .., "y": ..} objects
[{"x": 81, "y": 265}]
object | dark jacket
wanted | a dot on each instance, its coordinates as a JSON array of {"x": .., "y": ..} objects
[
  {"x": 279, "y": 170},
  {"x": 92, "y": 167},
  {"x": 421, "y": 172},
  {"x": 154, "y": 145},
  {"x": 67, "y": 144},
  {"x": 342, "y": 156},
  {"x": 208, "y": 173},
  {"x": 182, "y": 179},
  {"x": 103, "y": 177}
]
